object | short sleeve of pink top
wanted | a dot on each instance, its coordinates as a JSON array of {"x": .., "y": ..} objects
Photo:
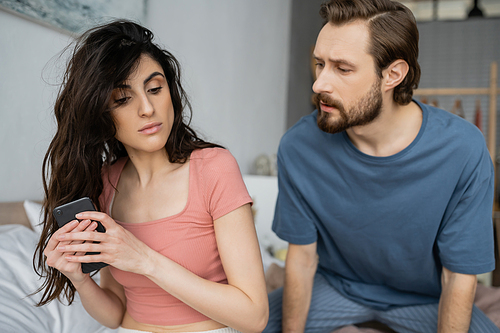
[{"x": 188, "y": 238}]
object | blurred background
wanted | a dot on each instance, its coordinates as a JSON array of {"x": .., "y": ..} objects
[{"x": 246, "y": 67}]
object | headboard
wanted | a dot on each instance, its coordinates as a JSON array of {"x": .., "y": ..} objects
[{"x": 13, "y": 213}]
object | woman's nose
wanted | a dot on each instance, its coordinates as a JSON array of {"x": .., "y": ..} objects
[{"x": 146, "y": 107}]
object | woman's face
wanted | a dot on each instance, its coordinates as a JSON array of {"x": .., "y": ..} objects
[{"x": 142, "y": 109}]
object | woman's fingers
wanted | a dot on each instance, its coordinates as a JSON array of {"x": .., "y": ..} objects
[
  {"x": 71, "y": 227},
  {"x": 54, "y": 241},
  {"x": 106, "y": 221},
  {"x": 86, "y": 259},
  {"x": 91, "y": 227},
  {"x": 57, "y": 258},
  {"x": 83, "y": 236},
  {"x": 83, "y": 225},
  {"x": 80, "y": 247}
]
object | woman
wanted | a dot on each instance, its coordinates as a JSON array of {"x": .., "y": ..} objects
[{"x": 180, "y": 241}]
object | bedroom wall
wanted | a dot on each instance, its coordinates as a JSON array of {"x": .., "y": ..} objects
[
  {"x": 234, "y": 56},
  {"x": 25, "y": 103},
  {"x": 235, "y": 60},
  {"x": 306, "y": 24}
]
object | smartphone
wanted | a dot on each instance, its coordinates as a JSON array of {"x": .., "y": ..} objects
[{"x": 66, "y": 213}]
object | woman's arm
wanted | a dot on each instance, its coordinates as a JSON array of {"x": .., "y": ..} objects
[
  {"x": 107, "y": 303},
  {"x": 241, "y": 304}
]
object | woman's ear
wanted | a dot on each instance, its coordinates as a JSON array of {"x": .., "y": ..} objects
[{"x": 395, "y": 74}]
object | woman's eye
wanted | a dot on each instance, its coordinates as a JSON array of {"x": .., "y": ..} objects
[
  {"x": 155, "y": 90},
  {"x": 121, "y": 101}
]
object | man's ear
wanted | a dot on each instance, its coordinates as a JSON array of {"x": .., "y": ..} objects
[{"x": 395, "y": 74}]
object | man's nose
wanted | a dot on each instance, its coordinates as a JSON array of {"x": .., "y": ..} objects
[{"x": 323, "y": 83}]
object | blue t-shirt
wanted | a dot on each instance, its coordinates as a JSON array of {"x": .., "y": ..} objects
[{"x": 385, "y": 226}]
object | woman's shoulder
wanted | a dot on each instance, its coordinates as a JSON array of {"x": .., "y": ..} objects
[
  {"x": 112, "y": 172},
  {"x": 214, "y": 160},
  {"x": 213, "y": 155}
]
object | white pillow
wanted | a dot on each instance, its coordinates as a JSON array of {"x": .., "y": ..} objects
[{"x": 34, "y": 212}]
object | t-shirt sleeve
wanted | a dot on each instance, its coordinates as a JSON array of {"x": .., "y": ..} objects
[
  {"x": 292, "y": 221},
  {"x": 110, "y": 175},
  {"x": 104, "y": 198},
  {"x": 465, "y": 241},
  {"x": 224, "y": 187}
]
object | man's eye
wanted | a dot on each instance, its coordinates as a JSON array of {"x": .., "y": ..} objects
[
  {"x": 343, "y": 70},
  {"x": 320, "y": 65}
]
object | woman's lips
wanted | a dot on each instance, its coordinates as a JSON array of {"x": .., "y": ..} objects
[{"x": 150, "y": 128}]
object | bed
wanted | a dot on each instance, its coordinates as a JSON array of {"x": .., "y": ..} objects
[{"x": 19, "y": 230}]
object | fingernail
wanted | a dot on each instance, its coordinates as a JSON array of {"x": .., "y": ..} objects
[
  {"x": 61, "y": 247},
  {"x": 78, "y": 215},
  {"x": 61, "y": 237}
]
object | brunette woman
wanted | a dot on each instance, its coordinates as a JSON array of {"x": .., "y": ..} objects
[{"x": 180, "y": 241}]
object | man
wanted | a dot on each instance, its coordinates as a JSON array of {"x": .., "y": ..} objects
[{"x": 386, "y": 202}]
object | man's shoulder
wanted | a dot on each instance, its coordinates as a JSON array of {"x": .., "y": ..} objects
[
  {"x": 445, "y": 120},
  {"x": 451, "y": 138},
  {"x": 446, "y": 127}
]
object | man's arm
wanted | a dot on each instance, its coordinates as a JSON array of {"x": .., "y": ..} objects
[
  {"x": 300, "y": 268},
  {"x": 455, "y": 304}
]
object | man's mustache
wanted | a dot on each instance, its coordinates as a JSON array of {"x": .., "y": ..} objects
[{"x": 325, "y": 99}]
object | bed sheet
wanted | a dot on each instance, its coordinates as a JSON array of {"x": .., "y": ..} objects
[{"x": 18, "y": 312}]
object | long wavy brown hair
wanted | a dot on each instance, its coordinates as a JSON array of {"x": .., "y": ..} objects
[{"x": 84, "y": 143}]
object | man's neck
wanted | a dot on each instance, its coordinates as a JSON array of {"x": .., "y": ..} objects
[{"x": 394, "y": 129}]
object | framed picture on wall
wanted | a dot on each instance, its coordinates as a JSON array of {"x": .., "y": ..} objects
[{"x": 75, "y": 16}]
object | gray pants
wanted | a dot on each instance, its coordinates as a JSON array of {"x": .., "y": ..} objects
[{"x": 330, "y": 310}]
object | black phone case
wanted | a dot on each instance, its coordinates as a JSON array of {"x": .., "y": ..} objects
[{"x": 66, "y": 213}]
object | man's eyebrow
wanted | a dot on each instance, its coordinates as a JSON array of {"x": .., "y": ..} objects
[
  {"x": 146, "y": 80},
  {"x": 336, "y": 61}
]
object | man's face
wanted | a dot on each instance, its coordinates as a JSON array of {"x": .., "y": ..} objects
[{"x": 348, "y": 88}]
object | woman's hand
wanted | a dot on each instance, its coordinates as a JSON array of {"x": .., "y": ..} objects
[
  {"x": 55, "y": 258},
  {"x": 117, "y": 247}
]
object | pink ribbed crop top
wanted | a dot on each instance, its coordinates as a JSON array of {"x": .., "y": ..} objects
[{"x": 188, "y": 238}]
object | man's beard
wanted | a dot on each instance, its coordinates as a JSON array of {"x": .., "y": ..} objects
[{"x": 362, "y": 113}]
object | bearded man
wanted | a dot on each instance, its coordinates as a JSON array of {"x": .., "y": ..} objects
[{"x": 386, "y": 202}]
